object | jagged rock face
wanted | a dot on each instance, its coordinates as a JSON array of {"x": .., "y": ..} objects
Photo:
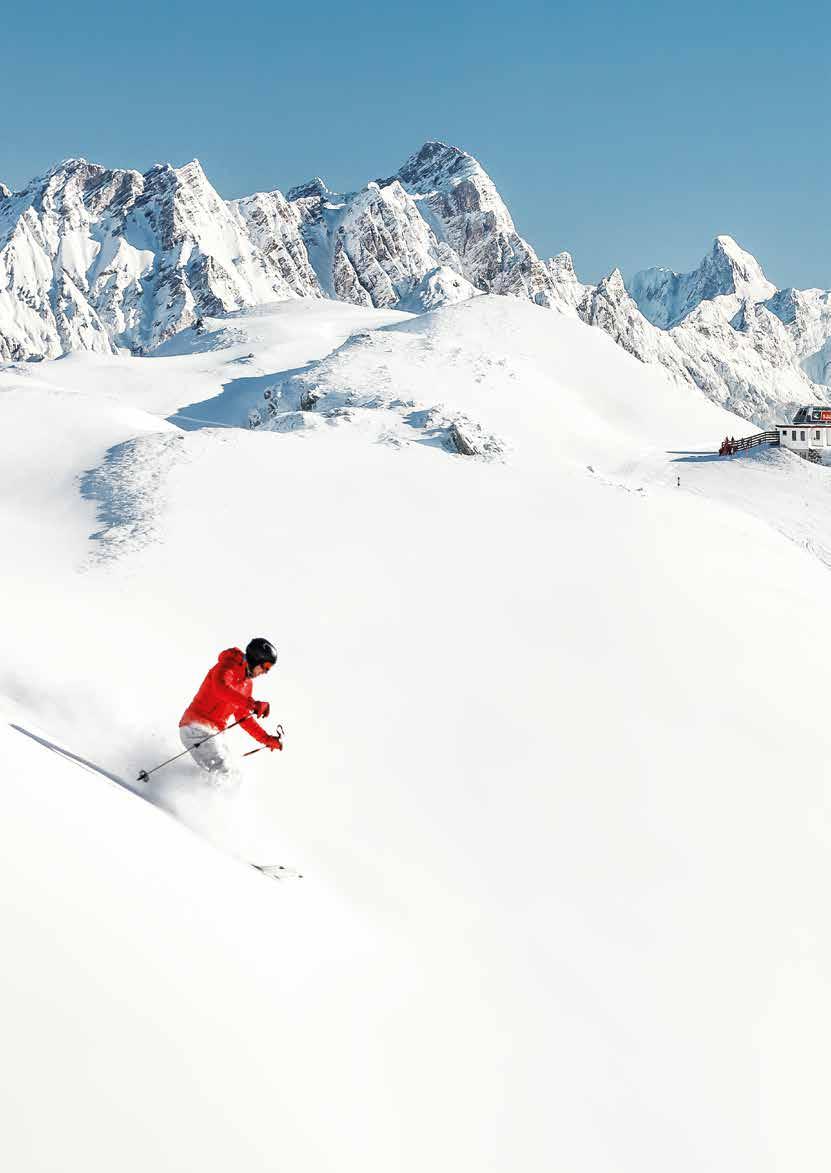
[
  {"x": 274, "y": 227},
  {"x": 665, "y": 298},
  {"x": 440, "y": 212},
  {"x": 374, "y": 248},
  {"x": 459, "y": 199},
  {"x": 381, "y": 248},
  {"x": 45, "y": 250},
  {"x": 609, "y": 307},
  {"x": 92, "y": 259},
  {"x": 568, "y": 289}
]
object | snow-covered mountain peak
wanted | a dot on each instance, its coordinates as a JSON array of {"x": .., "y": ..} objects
[
  {"x": 610, "y": 292},
  {"x": 179, "y": 203},
  {"x": 76, "y": 187},
  {"x": 312, "y": 188},
  {"x": 563, "y": 263},
  {"x": 436, "y": 163},
  {"x": 665, "y": 297},
  {"x": 399, "y": 239},
  {"x": 460, "y": 202},
  {"x": 608, "y": 304},
  {"x": 93, "y": 258},
  {"x": 165, "y": 177},
  {"x": 724, "y": 245},
  {"x": 69, "y": 166},
  {"x": 740, "y": 271},
  {"x": 192, "y": 171},
  {"x": 438, "y": 170},
  {"x": 569, "y": 290},
  {"x": 374, "y": 247}
]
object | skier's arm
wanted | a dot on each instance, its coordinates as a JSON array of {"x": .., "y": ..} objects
[
  {"x": 224, "y": 688},
  {"x": 256, "y": 730}
]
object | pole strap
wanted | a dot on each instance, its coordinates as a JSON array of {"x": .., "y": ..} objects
[{"x": 280, "y": 734}]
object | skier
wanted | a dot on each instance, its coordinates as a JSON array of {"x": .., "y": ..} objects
[{"x": 224, "y": 693}]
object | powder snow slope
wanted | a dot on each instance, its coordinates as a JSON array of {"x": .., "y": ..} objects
[{"x": 545, "y": 766}]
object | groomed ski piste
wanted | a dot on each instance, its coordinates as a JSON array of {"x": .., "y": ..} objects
[{"x": 554, "y": 768}]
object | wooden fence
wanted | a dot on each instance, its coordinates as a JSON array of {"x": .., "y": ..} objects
[{"x": 752, "y": 441}]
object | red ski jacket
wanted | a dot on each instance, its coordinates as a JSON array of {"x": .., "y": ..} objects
[{"x": 224, "y": 693}]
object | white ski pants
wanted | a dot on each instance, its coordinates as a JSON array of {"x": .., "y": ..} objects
[{"x": 212, "y": 755}]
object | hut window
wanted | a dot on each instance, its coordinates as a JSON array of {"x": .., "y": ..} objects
[
  {"x": 793, "y": 435},
  {"x": 816, "y": 434},
  {"x": 802, "y": 435}
]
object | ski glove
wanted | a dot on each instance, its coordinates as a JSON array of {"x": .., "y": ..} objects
[
  {"x": 274, "y": 743},
  {"x": 260, "y": 708}
]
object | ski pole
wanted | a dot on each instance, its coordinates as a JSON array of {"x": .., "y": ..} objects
[
  {"x": 280, "y": 734},
  {"x": 144, "y": 775}
]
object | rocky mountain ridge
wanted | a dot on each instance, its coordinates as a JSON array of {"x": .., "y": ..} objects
[
  {"x": 95, "y": 259},
  {"x": 100, "y": 259}
]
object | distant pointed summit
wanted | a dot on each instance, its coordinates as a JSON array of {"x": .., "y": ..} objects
[
  {"x": 665, "y": 298},
  {"x": 741, "y": 273},
  {"x": 435, "y": 161},
  {"x": 313, "y": 187}
]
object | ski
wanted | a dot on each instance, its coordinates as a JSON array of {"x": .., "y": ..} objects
[{"x": 277, "y": 871}]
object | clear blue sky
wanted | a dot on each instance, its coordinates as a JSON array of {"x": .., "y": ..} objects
[{"x": 628, "y": 134}]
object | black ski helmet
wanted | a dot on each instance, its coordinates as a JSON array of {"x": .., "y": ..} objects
[{"x": 260, "y": 651}]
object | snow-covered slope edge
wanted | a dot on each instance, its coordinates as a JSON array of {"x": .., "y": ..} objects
[{"x": 458, "y": 379}]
